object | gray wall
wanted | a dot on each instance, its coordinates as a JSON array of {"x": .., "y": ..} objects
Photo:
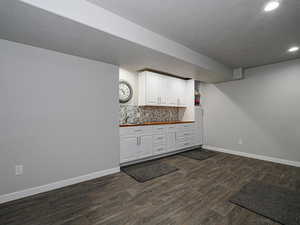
[
  {"x": 59, "y": 116},
  {"x": 263, "y": 110}
]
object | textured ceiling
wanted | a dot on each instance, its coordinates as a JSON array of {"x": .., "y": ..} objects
[{"x": 235, "y": 32}]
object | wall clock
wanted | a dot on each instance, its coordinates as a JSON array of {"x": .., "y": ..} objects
[{"x": 125, "y": 91}]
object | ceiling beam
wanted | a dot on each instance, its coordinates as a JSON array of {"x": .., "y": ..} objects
[{"x": 89, "y": 14}]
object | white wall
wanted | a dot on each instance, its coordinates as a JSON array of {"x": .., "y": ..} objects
[
  {"x": 132, "y": 78},
  {"x": 263, "y": 110},
  {"x": 59, "y": 116}
]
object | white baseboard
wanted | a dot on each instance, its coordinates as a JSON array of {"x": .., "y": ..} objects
[
  {"x": 254, "y": 156},
  {"x": 52, "y": 186}
]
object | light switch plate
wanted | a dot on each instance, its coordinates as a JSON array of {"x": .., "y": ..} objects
[
  {"x": 19, "y": 170},
  {"x": 240, "y": 142}
]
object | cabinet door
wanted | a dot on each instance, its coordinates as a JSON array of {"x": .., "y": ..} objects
[
  {"x": 145, "y": 146},
  {"x": 153, "y": 89},
  {"x": 179, "y": 87},
  {"x": 128, "y": 148},
  {"x": 163, "y": 90},
  {"x": 171, "y": 91},
  {"x": 156, "y": 89},
  {"x": 181, "y": 92},
  {"x": 171, "y": 141}
]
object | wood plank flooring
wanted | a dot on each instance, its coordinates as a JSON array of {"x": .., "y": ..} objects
[{"x": 197, "y": 194}]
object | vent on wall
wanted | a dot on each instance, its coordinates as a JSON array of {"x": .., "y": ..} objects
[{"x": 238, "y": 74}]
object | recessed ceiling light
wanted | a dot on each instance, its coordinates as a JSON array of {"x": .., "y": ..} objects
[
  {"x": 272, "y": 5},
  {"x": 293, "y": 49}
]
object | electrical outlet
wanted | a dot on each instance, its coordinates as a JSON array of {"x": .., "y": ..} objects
[
  {"x": 19, "y": 170},
  {"x": 240, "y": 142}
]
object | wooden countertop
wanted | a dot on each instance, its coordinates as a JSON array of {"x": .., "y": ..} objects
[{"x": 155, "y": 123}]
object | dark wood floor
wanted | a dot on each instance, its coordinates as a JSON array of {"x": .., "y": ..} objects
[{"x": 197, "y": 194}]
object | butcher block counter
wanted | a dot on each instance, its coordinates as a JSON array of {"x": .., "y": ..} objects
[{"x": 155, "y": 123}]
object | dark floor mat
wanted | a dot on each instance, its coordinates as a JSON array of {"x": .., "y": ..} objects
[
  {"x": 199, "y": 154},
  {"x": 143, "y": 172},
  {"x": 279, "y": 204}
]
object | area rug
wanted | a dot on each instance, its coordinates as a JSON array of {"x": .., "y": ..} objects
[
  {"x": 279, "y": 204},
  {"x": 143, "y": 172},
  {"x": 199, "y": 154}
]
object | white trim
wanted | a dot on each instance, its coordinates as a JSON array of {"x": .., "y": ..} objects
[
  {"x": 52, "y": 186},
  {"x": 254, "y": 156}
]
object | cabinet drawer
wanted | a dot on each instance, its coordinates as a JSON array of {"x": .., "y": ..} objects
[
  {"x": 138, "y": 130},
  {"x": 191, "y": 137},
  {"x": 184, "y": 144},
  {"x": 159, "y": 138},
  {"x": 187, "y": 134},
  {"x": 159, "y": 129},
  {"x": 184, "y": 127},
  {"x": 172, "y": 128},
  {"x": 180, "y": 137},
  {"x": 188, "y": 144},
  {"x": 159, "y": 150}
]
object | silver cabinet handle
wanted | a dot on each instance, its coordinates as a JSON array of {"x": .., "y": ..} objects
[
  {"x": 175, "y": 135},
  {"x": 138, "y": 140},
  {"x": 160, "y": 138}
]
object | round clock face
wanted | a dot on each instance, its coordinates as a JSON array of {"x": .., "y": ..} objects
[{"x": 125, "y": 92}]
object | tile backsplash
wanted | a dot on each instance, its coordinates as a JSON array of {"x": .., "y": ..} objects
[{"x": 132, "y": 114}]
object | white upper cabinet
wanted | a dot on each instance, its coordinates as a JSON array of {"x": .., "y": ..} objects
[
  {"x": 161, "y": 90},
  {"x": 153, "y": 87},
  {"x": 180, "y": 92},
  {"x": 171, "y": 91}
]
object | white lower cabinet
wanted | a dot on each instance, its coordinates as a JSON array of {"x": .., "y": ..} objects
[
  {"x": 171, "y": 141},
  {"x": 128, "y": 148},
  {"x": 135, "y": 147},
  {"x": 145, "y": 146},
  {"x": 159, "y": 149},
  {"x": 145, "y": 141},
  {"x": 159, "y": 144}
]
